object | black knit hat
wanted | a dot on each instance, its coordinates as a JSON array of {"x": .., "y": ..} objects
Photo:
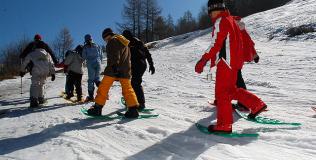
[
  {"x": 215, "y": 5},
  {"x": 128, "y": 34},
  {"x": 106, "y": 32}
]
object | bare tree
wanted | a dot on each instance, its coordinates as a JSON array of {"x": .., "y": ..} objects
[
  {"x": 10, "y": 63},
  {"x": 62, "y": 43}
]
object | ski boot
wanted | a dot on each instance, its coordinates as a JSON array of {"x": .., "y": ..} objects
[
  {"x": 131, "y": 113},
  {"x": 88, "y": 99},
  {"x": 95, "y": 110},
  {"x": 34, "y": 102},
  {"x": 141, "y": 107},
  {"x": 41, "y": 100}
]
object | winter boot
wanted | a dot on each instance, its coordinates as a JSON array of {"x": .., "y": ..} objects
[
  {"x": 220, "y": 128},
  {"x": 89, "y": 99},
  {"x": 42, "y": 100},
  {"x": 34, "y": 102},
  {"x": 79, "y": 98},
  {"x": 95, "y": 110},
  {"x": 141, "y": 107},
  {"x": 254, "y": 113},
  {"x": 131, "y": 113}
]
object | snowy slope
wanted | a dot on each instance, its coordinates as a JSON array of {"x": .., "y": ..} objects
[{"x": 285, "y": 79}]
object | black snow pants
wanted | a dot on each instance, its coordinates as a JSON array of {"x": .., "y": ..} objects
[
  {"x": 74, "y": 80},
  {"x": 137, "y": 79}
]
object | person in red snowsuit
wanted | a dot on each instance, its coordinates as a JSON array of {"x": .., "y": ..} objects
[
  {"x": 226, "y": 47},
  {"x": 249, "y": 54}
]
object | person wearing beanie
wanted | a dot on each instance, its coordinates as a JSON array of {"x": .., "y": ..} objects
[
  {"x": 74, "y": 63},
  {"x": 31, "y": 47},
  {"x": 226, "y": 51},
  {"x": 118, "y": 69},
  {"x": 249, "y": 54},
  {"x": 139, "y": 55},
  {"x": 42, "y": 68},
  {"x": 93, "y": 56}
]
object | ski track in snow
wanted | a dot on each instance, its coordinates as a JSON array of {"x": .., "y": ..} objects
[{"x": 284, "y": 78}]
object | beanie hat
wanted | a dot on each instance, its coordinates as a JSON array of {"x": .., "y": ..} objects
[
  {"x": 106, "y": 32},
  {"x": 87, "y": 38},
  {"x": 214, "y": 5},
  {"x": 128, "y": 34},
  {"x": 38, "y": 37}
]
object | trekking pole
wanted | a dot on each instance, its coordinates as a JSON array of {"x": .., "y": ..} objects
[{"x": 21, "y": 80}]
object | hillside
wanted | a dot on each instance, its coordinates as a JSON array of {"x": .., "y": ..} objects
[{"x": 284, "y": 78}]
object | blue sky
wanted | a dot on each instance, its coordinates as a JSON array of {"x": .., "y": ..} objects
[{"x": 27, "y": 17}]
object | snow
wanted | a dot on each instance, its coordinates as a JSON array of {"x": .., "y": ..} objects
[{"x": 284, "y": 78}]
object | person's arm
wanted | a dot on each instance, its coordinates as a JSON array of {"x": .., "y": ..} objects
[
  {"x": 100, "y": 53},
  {"x": 114, "y": 55},
  {"x": 149, "y": 59},
  {"x": 27, "y": 50},
  {"x": 51, "y": 53},
  {"x": 218, "y": 36},
  {"x": 25, "y": 62}
]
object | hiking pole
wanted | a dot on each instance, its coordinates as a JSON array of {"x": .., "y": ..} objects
[{"x": 21, "y": 80}]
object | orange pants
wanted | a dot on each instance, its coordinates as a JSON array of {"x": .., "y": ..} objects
[{"x": 127, "y": 91}]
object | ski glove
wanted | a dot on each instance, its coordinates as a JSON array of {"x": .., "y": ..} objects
[
  {"x": 256, "y": 59},
  {"x": 152, "y": 69},
  {"x": 53, "y": 77},
  {"x": 22, "y": 74},
  {"x": 200, "y": 65}
]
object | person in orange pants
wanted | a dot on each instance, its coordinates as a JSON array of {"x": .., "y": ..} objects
[
  {"x": 226, "y": 47},
  {"x": 118, "y": 69}
]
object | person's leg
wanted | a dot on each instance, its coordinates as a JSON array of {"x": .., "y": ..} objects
[
  {"x": 224, "y": 81},
  {"x": 78, "y": 86},
  {"x": 97, "y": 74},
  {"x": 41, "y": 96},
  {"x": 34, "y": 91},
  {"x": 91, "y": 76},
  {"x": 70, "y": 85},
  {"x": 130, "y": 98},
  {"x": 138, "y": 88},
  {"x": 240, "y": 84},
  {"x": 103, "y": 90},
  {"x": 102, "y": 96},
  {"x": 240, "y": 80}
]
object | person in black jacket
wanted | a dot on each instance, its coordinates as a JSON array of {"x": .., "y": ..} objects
[
  {"x": 139, "y": 55},
  {"x": 32, "y": 46}
]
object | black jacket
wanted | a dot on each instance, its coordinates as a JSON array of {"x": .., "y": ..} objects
[
  {"x": 32, "y": 46},
  {"x": 139, "y": 55}
]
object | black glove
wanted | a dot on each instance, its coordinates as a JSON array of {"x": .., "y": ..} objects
[
  {"x": 256, "y": 59},
  {"x": 22, "y": 74},
  {"x": 152, "y": 69},
  {"x": 53, "y": 77}
]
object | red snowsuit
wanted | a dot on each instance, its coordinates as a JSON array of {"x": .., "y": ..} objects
[{"x": 227, "y": 47}]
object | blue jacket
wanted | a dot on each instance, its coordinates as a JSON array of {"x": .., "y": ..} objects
[{"x": 92, "y": 53}]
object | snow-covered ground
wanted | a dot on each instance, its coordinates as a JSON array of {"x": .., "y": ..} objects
[{"x": 285, "y": 78}]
